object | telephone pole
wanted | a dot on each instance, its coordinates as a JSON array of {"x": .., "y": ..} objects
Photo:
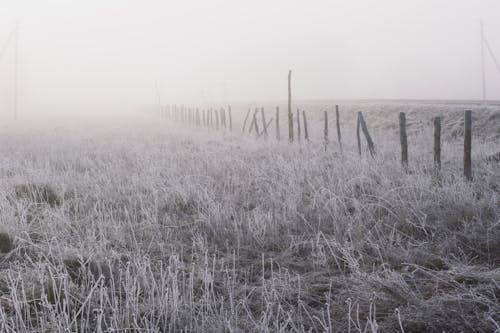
[
  {"x": 483, "y": 71},
  {"x": 16, "y": 71}
]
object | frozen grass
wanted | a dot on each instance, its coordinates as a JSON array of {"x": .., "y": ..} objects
[{"x": 154, "y": 228}]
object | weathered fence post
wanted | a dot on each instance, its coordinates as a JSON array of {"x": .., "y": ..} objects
[
  {"x": 290, "y": 115},
  {"x": 230, "y": 118},
  {"x": 278, "y": 135},
  {"x": 468, "y": 145},
  {"x": 298, "y": 125},
  {"x": 264, "y": 123},
  {"x": 403, "y": 139},
  {"x": 325, "y": 131},
  {"x": 255, "y": 121},
  {"x": 211, "y": 119},
  {"x": 358, "y": 136},
  {"x": 369, "y": 141},
  {"x": 204, "y": 118},
  {"x": 245, "y": 122},
  {"x": 437, "y": 143},
  {"x": 306, "y": 133},
  {"x": 223, "y": 117},
  {"x": 339, "y": 135},
  {"x": 198, "y": 122},
  {"x": 216, "y": 119}
]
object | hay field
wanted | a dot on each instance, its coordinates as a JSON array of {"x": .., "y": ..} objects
[{"x": 140, "y": 225}]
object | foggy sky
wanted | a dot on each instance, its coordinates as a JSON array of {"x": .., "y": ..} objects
[{"x": 110, "y": 53}]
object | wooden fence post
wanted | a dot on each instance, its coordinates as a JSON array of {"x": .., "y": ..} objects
[
  {"x": 298, "y": 125},
  {"x": 204, "y": 118},
  {"x": 211, "y": 119},
  {"x": 223, "y": 117},
  {"x": 278, "y": 135},
  {"x": 306, "y": 133},
  {"x": 403, "y": 139},
  {"x": 325, "y": 131},
  {"x": 358, "y": 136},
  {"x": 339, "y": 135},
  {"x": 245, "y": 122},
  {"x": 369, "y": 141},
  {"x": 290, "y": 115},
  {"x": 216, "y": 119},
  {"x": 264, "y": 123},
  {"x": 437, "y": 143},
  {"x": 255, "y": 121},
  {"x": 468, "y": 145},
  {"x": 230, "y": 118},
  {"x": 198, "y": 122}
]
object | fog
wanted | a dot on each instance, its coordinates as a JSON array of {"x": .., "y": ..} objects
[{"x": 110, "y": 54}]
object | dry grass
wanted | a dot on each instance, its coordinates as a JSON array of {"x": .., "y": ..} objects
[{"x": 152, "y": 228}]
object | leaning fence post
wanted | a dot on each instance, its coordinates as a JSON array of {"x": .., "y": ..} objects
[
  {"x": 325, "y": 132},
  {"x": 278, "y": 123},
  {"x": 468, "y": 145},
  {"x": 290, "y": 115},
  {"x": 358, "y": 136},
  {"x": 298, "y": 125},
  {"x": 255, "y": 121},
  {"x": 437, "y": 143},
  {"x": 245, "y": 122},
  {"x": 306, "y": 133},
  {"x": 369, "y": 141},
  {"x": 403, "y": 139},
  {"x": 264, "y": 121},
  {"x": 230, "y": 118},
  {"x": 339, "y": 135}
]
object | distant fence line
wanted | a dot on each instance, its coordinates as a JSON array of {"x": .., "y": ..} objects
[{"x": 220, "y": 119}]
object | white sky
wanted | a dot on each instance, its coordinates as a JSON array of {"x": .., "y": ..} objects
[{"x": 95, "y": 53}]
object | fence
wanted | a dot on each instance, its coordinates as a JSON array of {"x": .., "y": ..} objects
[
  {"x": 191, "y": 117},
  {"x": 221, "y": 119}
]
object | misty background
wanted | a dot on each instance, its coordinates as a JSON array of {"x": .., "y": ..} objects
[{"x": 104, "y": 55}]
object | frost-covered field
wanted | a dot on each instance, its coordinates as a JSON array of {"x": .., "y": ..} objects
[{"x": 141, "y": 225}]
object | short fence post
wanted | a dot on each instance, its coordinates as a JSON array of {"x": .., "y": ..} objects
[
  {"x": 369, "y": 141},
  {"x": 298, "y": 125},
  {"x": 230, "y": 118},
  {"x": 339, "y": 135},
  {"x": 264, "y": 121},
  {"x": 403, "y": 139},
  {"x": 306, "y": 133},
  {"x": 437, "y": 143},
  {"x": 278, "y": 136},
  {"x": 325, "y": 131},
  {"x": 198, "y": 122},
  {"x": 204, "y": 118},
  {"x": 468, "y": 145}
]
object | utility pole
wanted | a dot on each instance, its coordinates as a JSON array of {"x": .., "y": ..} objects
[
  {"x": 16, "y": 71},
  {"x": 483, "y": 70}
]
